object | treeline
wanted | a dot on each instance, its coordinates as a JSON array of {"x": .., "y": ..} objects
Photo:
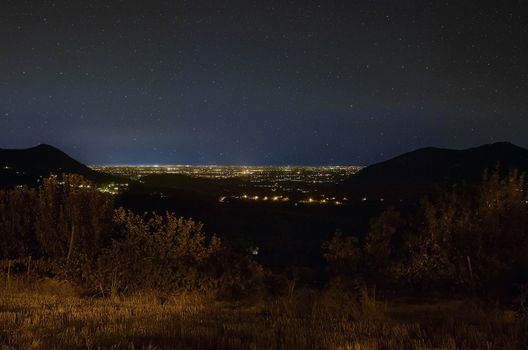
[
  {"x": 68, "y": 229},
  {"x": 470, "y": 239}
]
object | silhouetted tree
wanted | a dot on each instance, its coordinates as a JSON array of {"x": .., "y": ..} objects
[
  {"x": 474, "y": 236},
  {"x": 379, "y": 243},
  {"x": 16, "y": 223},
  {"x": 72, "y": 219},
  {"x": 161, "y": 252},
  {"x": 344, "y": 257}
]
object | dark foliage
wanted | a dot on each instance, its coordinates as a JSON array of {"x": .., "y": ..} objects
[
  {"x": 29, "y": 166},
  {"x": 74, "y": 232},
  {"x": 472, "y": 239}
]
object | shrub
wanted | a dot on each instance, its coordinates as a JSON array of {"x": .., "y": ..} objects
[
  {"x": 380, "y": 244},
  {"x": 344, "y": 255},
  {"x": 161, "y": 252},
  {"x": 471, "y": 237},
  {"x": 17, "y": 222},
  {"x": 73, "y": 232}
]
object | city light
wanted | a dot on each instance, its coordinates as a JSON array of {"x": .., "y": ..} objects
[{"x": 276, "y": 184}]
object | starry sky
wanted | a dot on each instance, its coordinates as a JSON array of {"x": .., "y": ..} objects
[{"x": 261, "y": 82}]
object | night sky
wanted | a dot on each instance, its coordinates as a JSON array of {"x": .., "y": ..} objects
[{"x": 261, "y": 82}]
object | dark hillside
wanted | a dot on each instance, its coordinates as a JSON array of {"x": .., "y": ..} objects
[
  {"x": 27, "y": 166},
  {"x": 421, "y": 171}
]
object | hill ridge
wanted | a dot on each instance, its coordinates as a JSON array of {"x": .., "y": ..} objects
[
  {"x": 419, "y": 171},
  {"x": 26, "y": 166}
]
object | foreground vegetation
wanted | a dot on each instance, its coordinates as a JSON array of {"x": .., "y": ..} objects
[
  {"x": 54, "y": 318},
  {"x": 79, "y": 272},
  {"x": 67, "y": 229}
]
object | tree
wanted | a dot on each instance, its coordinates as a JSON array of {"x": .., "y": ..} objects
[
  {"x": 161, "y": 252},
  {"x": 16, "y": 222},
  {"x": 379, "y": 243},
  {"x": 343, "y": 255},
  {"x": 471, "y": 236},
  {"x": 72, "y": 218}
]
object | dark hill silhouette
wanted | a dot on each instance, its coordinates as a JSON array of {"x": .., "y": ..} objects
[
  {"x": 421, "y": 171},
  {"x": 26, "y": 166}
]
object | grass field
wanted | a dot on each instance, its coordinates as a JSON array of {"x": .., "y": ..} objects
[{"x": 55, "y": 318}]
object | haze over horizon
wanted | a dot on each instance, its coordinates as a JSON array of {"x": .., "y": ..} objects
[
  {"x": 504, "y": 146},
  {"x": 250, "y": 82}
]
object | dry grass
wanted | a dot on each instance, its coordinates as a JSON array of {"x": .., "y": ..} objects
[{"x": 304, "y": 320}]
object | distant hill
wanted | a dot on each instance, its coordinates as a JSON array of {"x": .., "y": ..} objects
[
  {"x": 421, "y": 171},
  {"x": 26, "y": 166}
]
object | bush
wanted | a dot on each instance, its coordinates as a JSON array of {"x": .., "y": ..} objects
[
  {"x": 470, "y": 239},
  {"x": 170, "y": 254},
  {"x": 380, "y": 245},
  {"x": 71, "y": 217},
  {"x": 164, "y": 253},
  {"x": 473, "y": 237},
  {"x": 73, "y": 233},
  {"x": 17, "y": 222},
  {"x": 343, "y": 254}
]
